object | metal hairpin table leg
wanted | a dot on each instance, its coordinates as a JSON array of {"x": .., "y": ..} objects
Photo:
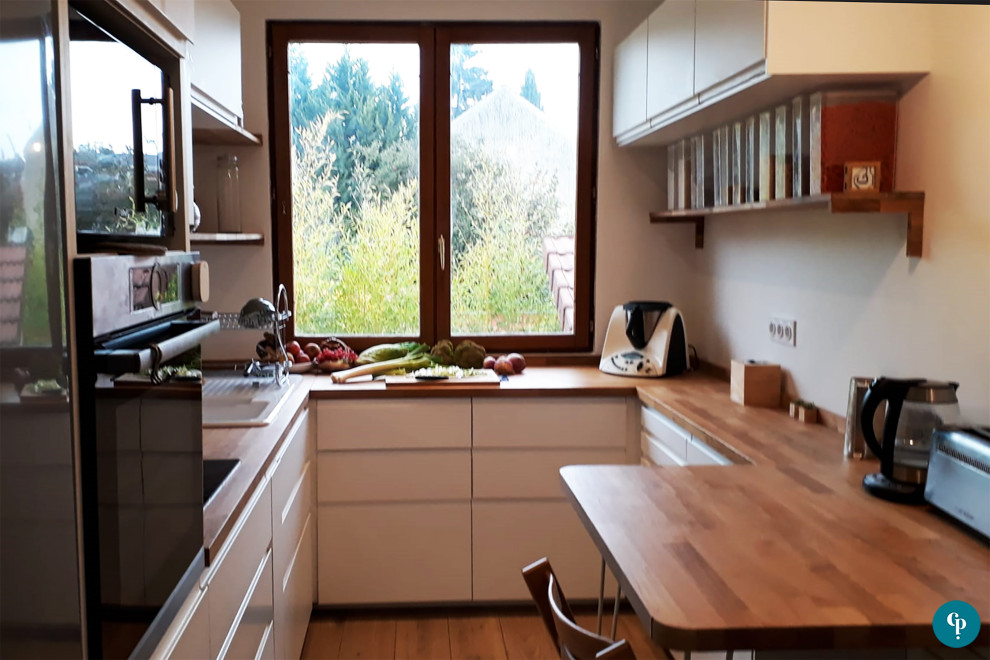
[
  {"x": 601, "y": 597},
  {"x": 615, "y": 611}
]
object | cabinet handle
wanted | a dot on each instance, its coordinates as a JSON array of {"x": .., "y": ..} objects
[{"x": 442, "y": 249}]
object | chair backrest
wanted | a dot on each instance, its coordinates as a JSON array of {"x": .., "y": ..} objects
[{"x": 571, "y": 640}]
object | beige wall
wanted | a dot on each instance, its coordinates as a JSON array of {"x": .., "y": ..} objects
[
  {"x": 862, "y": 307},
  {"x": 634, "y": 260}
]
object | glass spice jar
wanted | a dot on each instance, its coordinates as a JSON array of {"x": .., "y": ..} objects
[{"x": 228, "y": 195}]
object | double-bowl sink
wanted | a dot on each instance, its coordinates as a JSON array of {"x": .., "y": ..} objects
[{"x": 230, "y": 399}]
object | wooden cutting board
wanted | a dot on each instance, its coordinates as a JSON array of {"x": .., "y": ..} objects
[{"x": 491, "y": 379}]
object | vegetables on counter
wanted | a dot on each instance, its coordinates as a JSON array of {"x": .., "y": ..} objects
[
  {"x": 403, "y": 357},
  {"x": 417, "y": 358},
  {"x": 383, "y": 352}
]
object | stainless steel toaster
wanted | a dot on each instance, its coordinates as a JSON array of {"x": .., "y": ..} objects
[{"x": 959, "y": 475}]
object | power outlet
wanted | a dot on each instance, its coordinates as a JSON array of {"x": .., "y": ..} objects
[{"x": 783, "y": 331}]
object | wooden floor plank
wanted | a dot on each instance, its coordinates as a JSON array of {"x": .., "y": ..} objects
[
  {"x": 368, "y": 636},
  {"x": 323, "y": 637},
  {"x": 474, "y": 637},
  {"x": 525, "y": 636},
  {"x": 422, "y": 637}
]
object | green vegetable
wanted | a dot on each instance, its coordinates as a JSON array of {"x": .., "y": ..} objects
[
  {"x": 383, "y": 352},
  {"x": 418, "y": 359},
  {"x": 469, "y": 355},
  {"x": 443, "y": 352}
]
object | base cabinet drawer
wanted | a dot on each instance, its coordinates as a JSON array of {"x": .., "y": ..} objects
[
  {"x": 294, "y": 596},
  {"x": 394, "y": 553},
  {"x": 193, "y": 642},
  {"x": 549, "y": 422},
  {"x": 253, "y": 627},
  {"x": 395, "y": 424},
  {"x": 532, "y": 473},
  {"x": 510, "y": 535},
  {"x": 394, "y": 476}
]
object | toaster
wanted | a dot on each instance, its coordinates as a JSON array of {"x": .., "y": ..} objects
[{"x": 959, "y": 475}]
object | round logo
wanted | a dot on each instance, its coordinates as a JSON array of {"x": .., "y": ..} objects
[{"x": 956, "y": 624}]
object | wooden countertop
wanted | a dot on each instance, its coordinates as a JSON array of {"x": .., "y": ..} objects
[
  {"x": 785, "y": 552},
  {"x": 255, "y": 446},
  {"x": 534, "y": 381}
]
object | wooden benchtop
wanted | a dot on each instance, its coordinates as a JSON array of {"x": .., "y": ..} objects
[
  {"x": 785, "y": 552},
  {"x": 255, "y": 446},
  {"x": 534, "y": 381}
]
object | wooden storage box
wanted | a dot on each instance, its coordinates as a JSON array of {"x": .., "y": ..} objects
[{"x": 755, "y": 384}]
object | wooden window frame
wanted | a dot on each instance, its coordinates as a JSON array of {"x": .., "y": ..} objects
[{"x": 435, "y": 39}]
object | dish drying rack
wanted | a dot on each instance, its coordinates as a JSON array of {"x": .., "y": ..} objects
[{"x": 261, "y": 314}]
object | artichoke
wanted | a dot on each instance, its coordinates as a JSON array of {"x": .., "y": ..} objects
[
  {"x": 469, "y": 355},
  {"x": 443, "y": 352}
]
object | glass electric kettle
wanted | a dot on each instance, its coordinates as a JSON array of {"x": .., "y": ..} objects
[{"x": 915, "y": 407}]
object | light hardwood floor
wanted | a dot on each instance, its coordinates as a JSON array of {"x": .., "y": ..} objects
[{"x": 455, "y": 634}]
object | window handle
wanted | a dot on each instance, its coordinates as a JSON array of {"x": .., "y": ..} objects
[{"x": 442, "y": 249}]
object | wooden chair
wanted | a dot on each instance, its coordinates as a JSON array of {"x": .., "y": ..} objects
[{"x": 571, "y": 640}]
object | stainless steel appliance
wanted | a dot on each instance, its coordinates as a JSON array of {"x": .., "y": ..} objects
[
  {"x": 959, "y": 475},
  {"x": 645, "y": 339},
  {"x": 123, "y": 128},
  {"x": 141, "y": 445},
  {"x": 915, "y": 408}
]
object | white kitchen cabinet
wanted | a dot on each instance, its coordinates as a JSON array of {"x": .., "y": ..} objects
[
  {"x": 665, "y": 443},
  {"x": 398, "y": 552},
  {"x": 750, "y": 55},
  {"x": 234, "y": 575},
  {"x": 531, "y": 423},
  {"x": 510, "y": 534},
  {"x": 253, "y": 626},
  {"x": 729, "y": 41},
  {"x": 181, "y": 14},
  {"x": 215, "y": 61},
  {"x": 293, "y": 474},
  {"x": 394, "y": 476},
  {"x": 670, "y": 56},
  {"x": 189, "y": 636},
  {"x": 629, "y": 81},
  {"x": 396, "y": 424}
]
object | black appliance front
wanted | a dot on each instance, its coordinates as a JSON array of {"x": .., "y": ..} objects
[{"x": 141, "y": 451}]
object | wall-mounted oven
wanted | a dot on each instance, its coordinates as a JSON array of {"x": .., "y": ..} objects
[{"x": 141, "y": 445}]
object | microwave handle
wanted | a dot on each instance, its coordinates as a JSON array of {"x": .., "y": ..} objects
[{"x": 140, "y": 200}]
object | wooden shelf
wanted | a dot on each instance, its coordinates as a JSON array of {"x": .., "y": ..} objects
[
  {"x": 910, "y": 203},
  {"x": 226, "y": 239},
  {"x": 225, "y": 137}
]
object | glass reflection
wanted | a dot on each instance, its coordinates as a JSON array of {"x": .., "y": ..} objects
[{"x": 39, "y": 601}]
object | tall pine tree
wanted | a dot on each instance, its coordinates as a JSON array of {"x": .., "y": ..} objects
[
  {"x": 468, "y": 84},
  {"x": 529, "y": 90}
]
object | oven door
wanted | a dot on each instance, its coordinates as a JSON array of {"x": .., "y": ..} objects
[{"x": 142, "y": 453}]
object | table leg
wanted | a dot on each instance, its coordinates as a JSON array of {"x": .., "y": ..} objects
[
  {"x": 615, "y": 611},
  {"x": 601, "y": 597}
]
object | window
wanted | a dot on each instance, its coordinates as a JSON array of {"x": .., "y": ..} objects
[{"x": 436, "y": 180}]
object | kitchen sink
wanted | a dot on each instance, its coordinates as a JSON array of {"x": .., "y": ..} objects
[{"x": 233, "y": 400}]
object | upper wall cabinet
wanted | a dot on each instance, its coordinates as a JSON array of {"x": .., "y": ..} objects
[
  {"x": 707, "y": 62},
  {"x": 215, "y": 62},
  {"x": 630, "y": 82},
  {"x": 670, "y": 59}
]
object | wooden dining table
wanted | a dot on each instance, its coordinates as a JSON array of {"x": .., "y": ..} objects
[{"x": 782, "y": 551}]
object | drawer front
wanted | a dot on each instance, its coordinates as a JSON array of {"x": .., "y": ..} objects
[
  {"x": 291, "y": 463},
  {"x": 394, "y": 476},
  {"x": 542, "y": 422},
  {"x": 659, "y": 453},
  {"x": 193, "y": 642},
  {"x": 254, "y": 626},
  {"x": 237, "y": 566},
  {"x": 287, "y": 524},
  {"x": 699, "y": 453},
  {"x": 394, "y": 553},
  {"x": 511, "y": 535},
  {"x": 665, "y": 431},
  {"x": 406, "y": 424},
  {"x": 294, "y": 597},
  {"x": 531, "y": 473}
]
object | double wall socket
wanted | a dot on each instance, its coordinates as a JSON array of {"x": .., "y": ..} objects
[{"x": 783, "y": 331}]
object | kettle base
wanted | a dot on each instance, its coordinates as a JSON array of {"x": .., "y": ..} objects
[{"x": 879, "y": 485}]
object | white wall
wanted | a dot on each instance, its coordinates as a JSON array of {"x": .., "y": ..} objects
[
  {"x": 862, "y": 307},
  {"x": 634, "y": 259}
]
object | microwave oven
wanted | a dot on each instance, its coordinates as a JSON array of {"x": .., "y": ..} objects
[{"x": 123, "y": 136}]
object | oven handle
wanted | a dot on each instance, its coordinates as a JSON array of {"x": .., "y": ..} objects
[{"x": 134, "y": 360}]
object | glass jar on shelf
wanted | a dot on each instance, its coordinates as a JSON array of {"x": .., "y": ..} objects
[{"x": 228, "y": 195}]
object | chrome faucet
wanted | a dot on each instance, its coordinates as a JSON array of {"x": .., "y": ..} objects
[{"x": 258, "y": 314}]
